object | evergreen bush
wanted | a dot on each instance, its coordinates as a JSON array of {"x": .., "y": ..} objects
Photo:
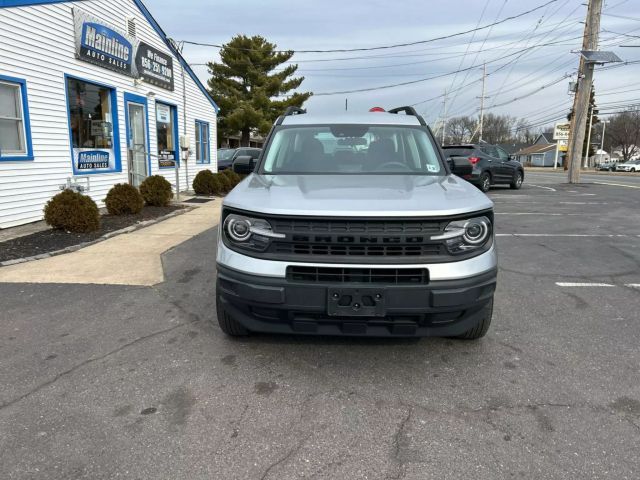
[
  {"x": 156, "y": 191},
  {"x": 73, "y": 212},
  {"x": 124, "y": 199}
]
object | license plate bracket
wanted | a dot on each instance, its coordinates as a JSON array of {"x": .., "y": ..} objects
[{"x": 356, "y": 302}]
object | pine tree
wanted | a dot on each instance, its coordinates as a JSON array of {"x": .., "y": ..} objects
[{"x": 248, "y": 90}]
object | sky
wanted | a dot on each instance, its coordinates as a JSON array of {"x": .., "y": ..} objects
[{"x": 529, "y": 60}]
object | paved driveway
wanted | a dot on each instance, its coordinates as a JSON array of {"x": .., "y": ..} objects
[{"x": 107, "y": 382}]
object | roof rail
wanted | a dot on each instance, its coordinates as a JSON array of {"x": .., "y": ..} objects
[
  {"x": 409, "y": 111},
  {"x": 290, "y": 111},
  {"x": 294, "y": 111}
]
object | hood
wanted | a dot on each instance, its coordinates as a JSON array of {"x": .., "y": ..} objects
[{"x": 357, "y": 195}]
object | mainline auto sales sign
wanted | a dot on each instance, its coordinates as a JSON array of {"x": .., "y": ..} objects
[{"x": 111, "y": 48}]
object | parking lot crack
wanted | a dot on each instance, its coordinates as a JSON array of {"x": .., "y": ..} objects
[
  {"x": 292, "y": 451},
  {"x": 89, "y": 361},
  {"x": 398, "y": 444}
]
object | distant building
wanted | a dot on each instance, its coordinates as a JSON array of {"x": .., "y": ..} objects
[
  {"x": 233, "y": 141},
  {"x": 541, "y": 154},
  {"x": 600, "y": 157}
]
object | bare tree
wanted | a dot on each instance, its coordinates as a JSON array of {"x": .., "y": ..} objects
[
  {"x": 524, "y": 132},
  {"x": 623, "y": 132},
  {"x": 498, "y": 128},
  {"x": 460, "y": 129}
]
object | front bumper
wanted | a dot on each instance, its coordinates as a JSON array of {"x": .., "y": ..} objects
[{"x": 275, "y": 305}]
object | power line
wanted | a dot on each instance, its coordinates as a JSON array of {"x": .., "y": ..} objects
[
  {"x": 383, "y": 87},
  {"x": 385, "y": 47},
  {"x": 504, "y": 82},
  {"x": 453, "y": 82},
  {"x": 622, "y": 16}
]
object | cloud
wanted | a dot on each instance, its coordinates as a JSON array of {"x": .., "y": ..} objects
[{"x": 309, "y": 25}]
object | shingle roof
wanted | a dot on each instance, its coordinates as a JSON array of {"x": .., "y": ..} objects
[{"x": 511, "y": 148}]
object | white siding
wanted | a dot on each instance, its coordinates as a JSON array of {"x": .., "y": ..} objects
[{"x": 25, "y": 186}]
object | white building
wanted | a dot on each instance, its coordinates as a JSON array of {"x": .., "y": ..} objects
[{"x": 93, "y": 91}]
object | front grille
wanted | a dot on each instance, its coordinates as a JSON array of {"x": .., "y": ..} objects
[
  {"x": 355, "y": 226},
  {"x": 356, "y": 238},
  {"x": 389, "y": 276},
  {"x": 363, "y": 250}
]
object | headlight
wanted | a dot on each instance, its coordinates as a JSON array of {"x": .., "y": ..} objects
[
  {"x": 250, "y": 233},
  {"x": 462, "y": 236}
]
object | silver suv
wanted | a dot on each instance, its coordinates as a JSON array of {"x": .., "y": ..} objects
[{"x": 355, "y": 225}]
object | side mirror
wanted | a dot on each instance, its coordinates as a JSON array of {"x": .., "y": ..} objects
[
  {"x": 460, "y": 166},
  {"x": 244, "y": 164}
]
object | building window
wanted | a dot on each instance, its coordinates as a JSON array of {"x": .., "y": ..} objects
[
  {"x": 167, "y": 135},
  {"x": 15, "y": 134},
  {"x": 93, "y": 127},
  {"x": 202, "y": 142}
]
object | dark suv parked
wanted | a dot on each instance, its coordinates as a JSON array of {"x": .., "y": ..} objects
[
  {"x": 491, "y": 165},
  {"x": 226, "y": 156}
]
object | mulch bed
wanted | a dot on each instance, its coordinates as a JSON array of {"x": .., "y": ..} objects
[{"x": 52, "y": 240}]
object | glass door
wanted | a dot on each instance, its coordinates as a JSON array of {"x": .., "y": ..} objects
[{"x": 137, "y": 143}]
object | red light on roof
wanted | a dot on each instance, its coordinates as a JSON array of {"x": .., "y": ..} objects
[{"x": 377, "y": 109}]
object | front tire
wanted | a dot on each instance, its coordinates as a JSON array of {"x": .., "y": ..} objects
[
  {"x": 481, "y": 328},
  {"x": 516, "y": 182},
  {"x": 485, "y": 182},
  {"x": 228, "y": 324}
]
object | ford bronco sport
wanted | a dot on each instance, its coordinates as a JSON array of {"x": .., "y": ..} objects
[{"x": 355, "y": 225}]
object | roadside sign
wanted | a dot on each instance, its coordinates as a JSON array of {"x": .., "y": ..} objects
[
  {"x": 563, "y": 145},
  {"x": 561, "y": 131}
]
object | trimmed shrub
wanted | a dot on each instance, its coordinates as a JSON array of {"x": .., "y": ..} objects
[
  {"x": 124, "y": 199},
  {"x": 225, "y": 181},
  {"x": 206, "y": 183},
  {"x": 235, "y": 178},
  {"x": 73, "y": 212},
  {"x": 156, "y": 191}
]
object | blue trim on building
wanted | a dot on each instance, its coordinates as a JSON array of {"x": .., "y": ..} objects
[
  {"x": 176, "y": 131},
  {"x": 199, "y": 125},
  {"x": 133, "y": 98},
  {"x": 172, "y": 48},
  {"x": 150, "y": 19},
  {"x": 25, "y": 120},
  {"x": 114, "y": 117}
]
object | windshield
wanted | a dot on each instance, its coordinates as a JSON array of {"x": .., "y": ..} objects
[
  {"x": 226, "y": 153},
  {"x": 352, "y": 149}
]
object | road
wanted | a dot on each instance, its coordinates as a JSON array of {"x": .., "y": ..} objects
[
  {"x": 597, "y": 178},
  {"x": 104, "y": 382}
]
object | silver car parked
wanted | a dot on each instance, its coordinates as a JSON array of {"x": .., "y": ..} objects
[{"x": 355, "y": 225}]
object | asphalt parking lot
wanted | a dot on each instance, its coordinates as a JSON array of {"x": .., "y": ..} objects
[{"x": 103, "y": 382}]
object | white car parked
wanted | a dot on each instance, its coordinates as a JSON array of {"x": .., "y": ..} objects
[{"x": 630, "y": 166}]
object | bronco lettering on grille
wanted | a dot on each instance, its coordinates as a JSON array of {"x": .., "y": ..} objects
[{"x": 328, "y": 239}]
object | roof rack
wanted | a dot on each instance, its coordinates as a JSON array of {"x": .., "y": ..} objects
[
  {"x": 290, "y": 111},
  {"x": 409, "y": 111}
]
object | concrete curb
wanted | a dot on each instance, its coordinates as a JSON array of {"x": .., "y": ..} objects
[{"x": 106, "y": 236}]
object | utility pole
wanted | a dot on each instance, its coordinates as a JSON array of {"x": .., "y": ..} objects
[
  {"x": 583, "y": 94},
  {"x": 482, "y": 97},
  {"x": 444, "y": 115}
]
